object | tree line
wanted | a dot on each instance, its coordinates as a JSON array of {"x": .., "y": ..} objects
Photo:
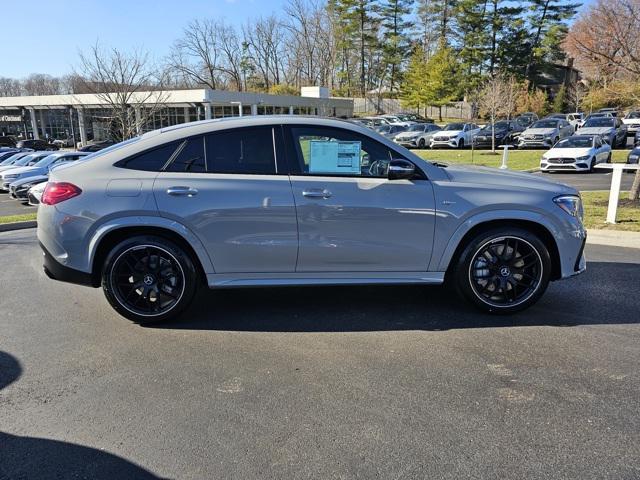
[{"x": 355, "y": 47}]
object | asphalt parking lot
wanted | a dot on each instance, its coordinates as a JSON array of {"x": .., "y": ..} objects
[{"x": 389, "y": 382}]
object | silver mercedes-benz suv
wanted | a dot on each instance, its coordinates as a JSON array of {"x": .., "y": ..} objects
[{"x": 288, "y": 200}]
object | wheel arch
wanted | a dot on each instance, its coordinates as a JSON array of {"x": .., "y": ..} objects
[
  {"x": 454, "y": 250},
  {"x": 108, "y": 237}
]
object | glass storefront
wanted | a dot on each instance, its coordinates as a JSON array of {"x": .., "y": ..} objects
[{"x": 63, "y": 122}]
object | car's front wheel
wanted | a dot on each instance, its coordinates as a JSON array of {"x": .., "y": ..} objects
[
  {"x": 503, "y": 270},
  {"x": 149, "y": 279}
]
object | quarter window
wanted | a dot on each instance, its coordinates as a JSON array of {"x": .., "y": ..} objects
[
  {"x": 244, "y": 150},
  {"x": 151, "y": 160}
]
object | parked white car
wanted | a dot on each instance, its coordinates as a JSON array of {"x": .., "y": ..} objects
[
  {"x": 455, "y": 135},
  {"x": 576, "y": 153},
  {"x": 632, "y": 121},
  {"x": 545, "y": 133},
  {"x": 35, "y": 193},
  {"x": 576, "y": 119}
]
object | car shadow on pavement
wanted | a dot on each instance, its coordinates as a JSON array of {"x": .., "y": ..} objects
[
  {"x": 41, "y": 458},
  {"x": 599, "y": 296}
]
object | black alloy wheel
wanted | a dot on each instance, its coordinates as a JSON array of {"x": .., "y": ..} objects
[
  {"x": 503, "y": 270},
  {"x": 149, "y": 279}
]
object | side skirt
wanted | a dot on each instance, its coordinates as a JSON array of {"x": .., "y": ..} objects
[{"x": 229, "y": 280}]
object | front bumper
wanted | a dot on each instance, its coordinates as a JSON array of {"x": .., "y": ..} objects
[
  {"x": 570, "y": 165},
  {"x": 543, "y": 143},
  {"x": 453, "y": 143},
  {"x": 409, "y": 143}
]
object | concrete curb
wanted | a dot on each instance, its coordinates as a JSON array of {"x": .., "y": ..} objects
[
  {"x": 8, "y": 227},
  {"x": 614, "y": 238}
]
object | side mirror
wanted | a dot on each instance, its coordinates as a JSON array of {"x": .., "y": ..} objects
[{"x": 401, "y": 169}]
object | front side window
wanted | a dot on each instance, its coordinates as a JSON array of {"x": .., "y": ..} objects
[
  {"x": 241, "y": 151},
  {"x": 333, "y": 151}
]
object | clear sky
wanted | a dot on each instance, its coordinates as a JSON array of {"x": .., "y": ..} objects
[{"x": 53, "y": 31}]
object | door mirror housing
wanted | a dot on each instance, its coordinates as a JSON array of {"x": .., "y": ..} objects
[{"x": 401, "y": 169}]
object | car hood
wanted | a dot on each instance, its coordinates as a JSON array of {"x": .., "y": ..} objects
[
  {"x": 449, "y": 133},
  {"x": 23, "y": 170},
  {"x": 596, "y": 130},
  {"x": 34, "y": 179},
  {"x": 408, "y": 134},
  {"x": 487, "y": 132},
  {"x": 539, "y": 131},
  {"x": 567, "y": 152},
  {"x": 505, "y": 179},
  {"x": 629, "y": 121}
]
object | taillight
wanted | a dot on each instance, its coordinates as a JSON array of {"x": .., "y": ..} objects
[{"x": 56, "y": 192}]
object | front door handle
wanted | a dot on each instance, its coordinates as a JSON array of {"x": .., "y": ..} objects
[
  {"x": 180, "y": 191},
  {"x": 316, "y": 193}
]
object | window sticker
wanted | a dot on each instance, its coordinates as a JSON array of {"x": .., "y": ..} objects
[{"x": 330, "y": 156}]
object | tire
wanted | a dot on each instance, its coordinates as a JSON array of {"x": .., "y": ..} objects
[
  {"x": 488, "y": 276},
  {"x": 421, "y": 143},
  {"x": 149, "y": 279},
  {"x": 609, "y": 158},
  {"x": 592, "y": 165},
  {"x": 461, "y": 144}
]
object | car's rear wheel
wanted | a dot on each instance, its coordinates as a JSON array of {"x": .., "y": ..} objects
[
  {"x": 504, "y": 270},
  {"x": 149, "y": 279}
]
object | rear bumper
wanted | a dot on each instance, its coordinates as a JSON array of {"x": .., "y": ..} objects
[{"x": 57, "y": 271}]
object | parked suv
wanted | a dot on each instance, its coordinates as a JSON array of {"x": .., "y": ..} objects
[
  {"x": 545, "y": 133},
  {"x": 36, "y": 145},
  {"x": 284, "y": 200},
  {"x": 455, "y": 135}
]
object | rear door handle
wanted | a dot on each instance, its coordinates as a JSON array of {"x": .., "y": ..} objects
[
  {"x": 180, "y": 191},
  {"x": 316, "y": 193}
]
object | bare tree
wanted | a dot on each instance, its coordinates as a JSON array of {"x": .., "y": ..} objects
[
  {"x": 127, "y": 82},
  {"x": 265, "y": 41},
  {"x": 492, "y": 101},
  {"x": 10, "y": 87},
  {"x": 41, "y": 84}
]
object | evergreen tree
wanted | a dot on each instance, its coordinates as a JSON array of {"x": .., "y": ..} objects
[
  {"x": 442, "y": 78},
  {"x": 472, "y": 39},
  {"x": 396, "y": 40},
  {"x": 413, "y": 92},
  {"x": 547, "y": 20}
]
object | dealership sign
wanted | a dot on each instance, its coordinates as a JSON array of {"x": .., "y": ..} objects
[{"x": 10, "y": 118}]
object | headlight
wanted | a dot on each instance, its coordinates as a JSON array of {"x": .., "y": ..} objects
[
  {"x": 9, "y": 177},
  {"x": 586, "y": 157},
  {"x": 634, "y": 157},
  {"x": 572, "y": 204}
]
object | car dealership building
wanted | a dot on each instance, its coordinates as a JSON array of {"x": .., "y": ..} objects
[{"x": 87, "y": 117}]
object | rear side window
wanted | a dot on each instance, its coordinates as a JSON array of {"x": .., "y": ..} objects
[
  {"x": 151, "y": 160},
  {"x": 244, "y": 150},
  {"x": 190, "y": 157}
]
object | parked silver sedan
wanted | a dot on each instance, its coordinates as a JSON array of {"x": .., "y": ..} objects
[{"x": 284, "y": 200}]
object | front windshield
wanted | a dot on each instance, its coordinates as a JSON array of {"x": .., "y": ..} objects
[
  {"x": 9, "y": 160},
  {"x": 416, "y": 128},
  {"x": 599, "y": 122},
  {"x": 502, "y": 125},
  {"x": 633, "y": 115},
  {"x": 24, "y": 160},
  {"x": 575, "y": 142},
  {"x": 454, "y": 126},
  {"x": 46, "y": 160},
  {"x": 545, "y": 124}
]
